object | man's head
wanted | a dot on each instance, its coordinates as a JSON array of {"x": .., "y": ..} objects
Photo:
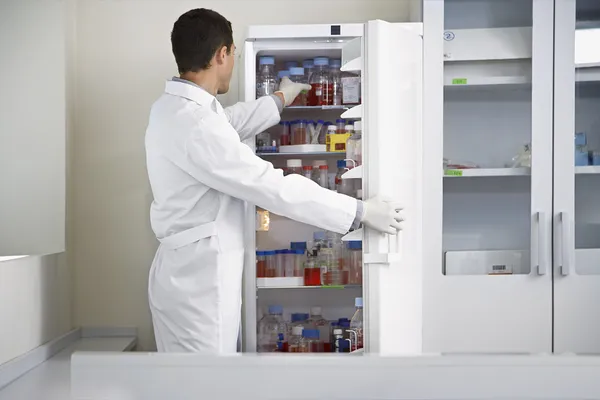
[{"x": 202, "y": 40}]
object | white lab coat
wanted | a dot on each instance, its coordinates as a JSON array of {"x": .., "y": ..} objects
[{"x": 201, "y": 173}]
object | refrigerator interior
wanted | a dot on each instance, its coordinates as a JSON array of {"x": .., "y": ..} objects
[
  {"x": 487, "y": 122},
  {"x": 336, "y": 302}
]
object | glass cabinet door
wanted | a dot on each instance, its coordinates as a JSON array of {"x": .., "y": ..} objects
[
  {"x": 577, "y": 177},
  {"x": 494, "y": 285}
]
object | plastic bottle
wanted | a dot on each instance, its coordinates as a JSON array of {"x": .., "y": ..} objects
[
  {"x": 271, "y": 264},
  {"x": 323, "y": 133},
  {"x": 295, "y": 339},
  {"x": 308, "y": 68},
  {"x": 297, "y": 256},
  {"x": 294, "y": 166},
  {"x": 336, "y": 81},
  {"x": 290, "y": 64},
  {"x": 343, "y": 186},
  {"x": 316, "y": 321},
  {"x": 285, "y": 138},
  {"x": 354, "y": 262},
  {"x": 307, "y": 171},
  {"x": 356, "y": 325},
  {"x": 310, "y": 342},
  {"x": 340, "y": 125},
  {"x": 331, "y": 130},
  {"x": 299, "y": 132},
  {"x": 269, "y": 329},
  {"x": 320, "y": 80},
  {"x": 261, "y": 265},
  {"x": 354, "y": 145},
  {"x": 350, "y": 88},
  {"x": 324, "y": 176},
  {"x": 297, "y": 76},
  {"x": 315, "y": 169},
  {"x": 266, "y": 80}
]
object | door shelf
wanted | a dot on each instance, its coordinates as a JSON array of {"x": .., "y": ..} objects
[
  {"x": 316, "y": 108},
  {"x": 588, "y": 169},
  {"x": 312, "y": 154},
  {"x": 486, "y": 172},
  {"x": 354, "y": 173},
  {"x": 487, "y": 81},
  {"x": 355, "y": 112},
  {"x": 352, "y": 65}
]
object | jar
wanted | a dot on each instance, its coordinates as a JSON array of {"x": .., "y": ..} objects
[
  {"x": 270, "y": 263},
  {"x": 261, "y": 264},
  {"x": 300, "y": 132},
  {"x": 297, "y": 76},
  {"x": 353, "y": 262},
  {"x": 294, "y": 166}
]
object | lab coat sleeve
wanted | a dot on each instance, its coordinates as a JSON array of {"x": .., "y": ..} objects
[
  {"x": 252, "y": 117},
  {"x": 216, "y": 157}
]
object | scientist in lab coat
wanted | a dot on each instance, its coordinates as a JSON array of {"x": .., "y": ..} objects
[{"x": 201, "y": 174}]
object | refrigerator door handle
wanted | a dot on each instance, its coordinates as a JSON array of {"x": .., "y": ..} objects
[
  {"x": 564, "y": 243},
  {"x": 538, "y": 249},
  {"x": 390, "y": 257}
]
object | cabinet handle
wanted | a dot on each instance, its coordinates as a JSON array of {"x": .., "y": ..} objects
[
  {"x": 541, "y": 248},
  {"x": 564, "y": 243}
]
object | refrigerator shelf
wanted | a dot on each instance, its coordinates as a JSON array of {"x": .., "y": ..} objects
[
  {"x": 304, "y": 154},
  {"x": 332, "y": 287},
  {"x": 316, "y": 108},
  {"x": 588, "y": 169}
]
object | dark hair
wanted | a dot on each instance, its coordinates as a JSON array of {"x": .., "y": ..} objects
[{"x": 196, "y": 37}]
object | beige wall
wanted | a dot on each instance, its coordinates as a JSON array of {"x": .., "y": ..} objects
[{"x": 123, "y": 58}]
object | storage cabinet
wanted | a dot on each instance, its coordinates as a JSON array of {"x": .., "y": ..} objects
[{"x": 518, "y": 267}]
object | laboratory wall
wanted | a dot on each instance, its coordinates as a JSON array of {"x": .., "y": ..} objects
[
  {"x": 36, "y": 291},
  {"x": 123, "y": 58}
]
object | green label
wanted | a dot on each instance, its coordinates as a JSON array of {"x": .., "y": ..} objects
[
  {"x": 333, "y": 286},
  {"x": 459, "y": 81},
  {"x": 453, "y": 172}
]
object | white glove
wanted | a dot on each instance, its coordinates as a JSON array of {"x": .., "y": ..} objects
[
  {"x": 291, "y": 90},
  {"x": 382, "y": 216}
]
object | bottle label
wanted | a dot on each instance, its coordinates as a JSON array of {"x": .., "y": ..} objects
[{"x": 351, "y": 90}]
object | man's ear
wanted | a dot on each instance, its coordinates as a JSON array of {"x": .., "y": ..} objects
[{"x": 221, "y": 54}]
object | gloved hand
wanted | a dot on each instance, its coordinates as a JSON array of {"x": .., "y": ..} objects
[
  {"x": 382, "y": 216},
  {"x": 291, "y": 90}
]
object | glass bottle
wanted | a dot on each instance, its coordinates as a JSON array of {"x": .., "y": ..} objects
[
  {"x": 354, "y": 262},
  {"x": 295, "y": 339},
  {"x": 336, "y": 81},
  {"x": 356, "y": 325},
  {"x": 294, "y": 166},
  {"x": 316, "y": 321},
  {"x": 310, "y": 342},
  {"x": 266, "y": 80},
  {"x": 354, "y": 145},
  {"x": 290, "y": 64},
  {"x": 343, "y": 186},
  {"x": 324, "y": 176},
  {"x": 269, "y": 329},
  {"x": 308, "y": 68},
  {"x": 315, "y": 169},
  {"x": 320, "y": 81}
]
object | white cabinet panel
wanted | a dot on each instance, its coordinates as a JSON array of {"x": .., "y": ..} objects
[{"x": 32, "y": 127}]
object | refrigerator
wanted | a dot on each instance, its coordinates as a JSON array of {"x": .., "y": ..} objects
[{"x": 388, "y": 57}]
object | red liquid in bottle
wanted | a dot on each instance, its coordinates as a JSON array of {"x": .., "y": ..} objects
[
  {"x": 312, "y": 276},
  {"x": 261, "y": 269},
  {"x": 321, "y": 94}
]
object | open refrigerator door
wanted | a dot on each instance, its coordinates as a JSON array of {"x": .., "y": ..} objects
[{"x": 392, "y": 147}]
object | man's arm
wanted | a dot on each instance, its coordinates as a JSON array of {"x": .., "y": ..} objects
[
  {"x": 253, "y": 117},
  {"x": 217, "y": 158}
]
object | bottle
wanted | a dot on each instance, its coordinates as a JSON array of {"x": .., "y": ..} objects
[
  {"x": 315, "y": 169},
  {"x": 310, "y": 342},
  {"x": 354, "y": 262},
  {"x": 308, "y": 68},
  {"x": 340, "y": 343},
  {"x": 324, "y": 176},
  {"x": 295, "y": 339},
  {"x": 343, "y": 186},
  {"x": 266, "y": 80},
  {"x": 298, "y": 257},
  {"x": 316, "y": 321},
  {"x": 336, "y": 82},
  {"x": 312, "y": 272},
  {"x": 354, "y": 145},
  {"x": 270, "y": 263},
  {"x": 290, "y": 64},
  {"x": 269, "y": 329},
  {"x": 340, "y": 126},
  {"x": 331, "y": 130},
  {"x": 261, "y": 265},
  {"x": 297, "y": 76},
  {"x": 356, "y": 325},
  {"x": 284, "y": 138},
  {"x": 323, "y": 133},
  {"x": 320, "y": 80},
  {"x": 307, "y": 171},
  {"x": 299, "y": 132},
  {"x": 349, "y": 129},
  {"x": 350, "y": 88},
  {"x": 294, "y": 166}
]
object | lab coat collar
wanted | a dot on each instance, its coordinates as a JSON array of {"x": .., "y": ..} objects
[{"x": 193, "y": 93}]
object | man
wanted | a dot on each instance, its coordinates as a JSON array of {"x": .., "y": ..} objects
[{"x": 201, "y": 173}]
